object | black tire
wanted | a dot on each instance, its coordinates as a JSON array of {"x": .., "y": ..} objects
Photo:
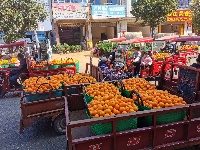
[
  {"x": 2, "y": 93},
  {"x": 60, "y": 124}
]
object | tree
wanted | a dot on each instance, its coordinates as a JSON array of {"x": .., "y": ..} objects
[
  {"x": 195, "y": 9},
  {"x": 153, "y": 12},
  {"x": 19, "y": 17}
]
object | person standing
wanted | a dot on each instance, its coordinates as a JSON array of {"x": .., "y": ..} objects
[
  {"x": 36, "y": 45},
  {"x": 137, "y": 61}
]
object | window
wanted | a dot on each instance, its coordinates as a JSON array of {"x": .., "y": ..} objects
[
  {"x": 183, "y": 3},
  {"x": 59, "y": 1}
]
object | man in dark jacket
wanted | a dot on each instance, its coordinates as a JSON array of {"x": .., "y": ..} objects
[
  {"x": 15, "y": 73},
  {"x": 197, "y": 64}
]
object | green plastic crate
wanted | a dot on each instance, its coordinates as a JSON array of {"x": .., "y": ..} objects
[
  {"x": 88, "y": 98},
  {"x": 161, "y": 118},
  {"x": 37, "y": 96},
  {"x": 126, "y": 93},
  {"x": 54, "y": 66},
  {"x": 106, "y": 128},
  {"x": 71, "y": 65},
  {"x": 4, "y": 66},
  {"x": 12, "y": 65}
]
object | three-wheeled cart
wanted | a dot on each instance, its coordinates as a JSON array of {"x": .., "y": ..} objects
[{"x": 156, "y": 136}]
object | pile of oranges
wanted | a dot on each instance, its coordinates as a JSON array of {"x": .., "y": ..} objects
[
  {"x": 102, "y": 90},
  {"x": 78, "y": 79},
  {"x": 159, "y": 99},
  {"x": 111, "y": 105},
  {"x": 41, "y": 84},
  {"x": 42, "y": 64},
  {"x": 138, "y": 84},
  {"x": 54, "y": 82},
  {"x": 108, "y": 101}
]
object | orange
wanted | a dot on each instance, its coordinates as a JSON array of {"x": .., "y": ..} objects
[
  {"x": 106, "y": 115},
  {"x": 124, "y": 112},
  {"x": 107, "y": 111},
  {"x": 96, "y": 116},
  {"x": 116, "y": 107},
  {"x": 121, "y": 109}
]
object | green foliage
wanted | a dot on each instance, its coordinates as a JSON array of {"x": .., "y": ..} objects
[
  {"x": 132, "y": 47},
  {"x": 153, "y": 12},
  {"x": 19, "y": 17},
  {"x": 106, "y": 47},
  {"x": 195, "y": 8},
  {"x": 66, "y": 48}
]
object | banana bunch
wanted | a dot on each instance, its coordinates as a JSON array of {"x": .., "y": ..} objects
[
  {"x": 4, "y": 62},
  {"x": 55, "y": 62},
  {"x": 161, "y": 55},
  {"x": 70, "y": 60},
  {"x": 185, "y": 47},
  {"x": 13, "y": 60}
]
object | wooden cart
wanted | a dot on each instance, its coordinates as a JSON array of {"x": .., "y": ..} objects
[
  {"x": 166, "y": 136},
  {"x": 52, "y": 107}
]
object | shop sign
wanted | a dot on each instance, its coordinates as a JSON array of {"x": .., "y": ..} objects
[
  {"x": 108, "y": 11},
  {"x": 104, "y": 24},
  {"x": 180, "y": 15},
  {"x": 70, "y": 11}
]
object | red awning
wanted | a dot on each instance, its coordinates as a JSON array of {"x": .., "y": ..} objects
[
  {"x": 117, "y": 39},
  {"x": 184, "y": 39},
  {"x": 148, "y": 39},
  {"x": 22, "y": 43},
  {"x": 135, "y": 41}
]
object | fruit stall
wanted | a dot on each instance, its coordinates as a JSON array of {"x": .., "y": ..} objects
[
  {"x": 42, "y": 97},
  {"x": 42, "y": 68},
  {"x": 56, "y": 64},
  {"x": 189, "y": 46},
  {"x": 6, "y": 63},
  {"x": 133, "y": 113}
]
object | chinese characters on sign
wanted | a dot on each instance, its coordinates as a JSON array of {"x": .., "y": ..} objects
[
  {"x": 170, "y": 133},
  {"x": 180, "y": 15},
  {"x": 107, "y": 11},
  {"x": 70, "y": 11},
  {"x": 95, "y": 147},
  {"x": 133, "y": 141}
]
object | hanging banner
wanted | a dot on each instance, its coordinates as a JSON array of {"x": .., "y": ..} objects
[
  {"x": 70, "y": 11},
  {"x": 180, "y": 16},
  {"x": 108, "y": 11}
]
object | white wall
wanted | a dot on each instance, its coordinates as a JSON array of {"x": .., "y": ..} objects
[
  {"x": 187, "y": 30},
  {"x": 121, "y": 25},
  {"x": 145, "y": 30},
  {"x": 127, "y": 3},
  {"x": 47, "y": 22},
  {"x": 96, "y": 33}
]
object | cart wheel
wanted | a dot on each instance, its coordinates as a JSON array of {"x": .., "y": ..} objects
[
  {"x": 2, "y": 93},
  {"x": 60, "y": 124}
]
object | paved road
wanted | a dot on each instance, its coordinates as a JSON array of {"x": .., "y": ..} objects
[{"x": 41, "y": 135}]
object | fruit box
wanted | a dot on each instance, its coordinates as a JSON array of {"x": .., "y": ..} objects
[
  {"x": 71, "y": 65},
  {"x": 106, "y": 128},
  {"x": 87, "y": 98},
  {"x": 31, "y": 97}
]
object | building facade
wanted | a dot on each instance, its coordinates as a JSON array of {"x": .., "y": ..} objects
[
  {"x": 47, "y": 24},
  {"x": 76, "y": 21}
]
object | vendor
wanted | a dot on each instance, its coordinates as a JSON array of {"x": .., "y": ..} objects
[
  {"x": 146, "y": 61},
  {"x": 112, "y": 55},
  {"x": 137, "y": 60},
  {"x": 197, "y": 64},
  {"x": 103, "y": 62},
  {"x": 15, "y": 73}
]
